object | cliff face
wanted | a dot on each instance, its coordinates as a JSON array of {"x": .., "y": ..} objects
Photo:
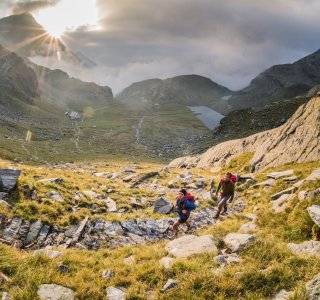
[
  {"x": 16, "y": 78},
  {"x": 298, "y": 140},
  {"x": 279, "y": 82}
]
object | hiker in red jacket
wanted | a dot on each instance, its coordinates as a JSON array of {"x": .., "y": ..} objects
[{"x": 226, "y": 188}]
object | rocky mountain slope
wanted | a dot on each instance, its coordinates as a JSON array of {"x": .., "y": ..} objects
[
  {"x": 279, "y": 82},
  {"x": 298, "y": 140},
  {"x": 192, "y": 90},
  {"x": 16, "y": 78}
]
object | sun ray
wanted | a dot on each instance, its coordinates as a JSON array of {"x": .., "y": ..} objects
[{"x": 24, "y": 43}]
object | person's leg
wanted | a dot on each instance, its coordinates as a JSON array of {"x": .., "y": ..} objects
[
  {"x": 221, "y": 204},
  {"x": 188, "y": 225},
  {"x": 176, "y": 227},
  {"x": 225, "y": 205}
]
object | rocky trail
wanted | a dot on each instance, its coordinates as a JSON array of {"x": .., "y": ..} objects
[{"x": 93, "y": 235}]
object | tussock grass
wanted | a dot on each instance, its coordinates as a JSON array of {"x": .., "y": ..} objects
[{"x": 266, "y": 267}]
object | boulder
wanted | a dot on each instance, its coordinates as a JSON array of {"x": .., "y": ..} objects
[
  {"x": 48, "y": 252},
  {"x": 8, "y": 179},
  {"x": 313, "y": 288},
  {"x": 91, "y": 194},
  {"x": 286, "y": 191},
  {"x": 290, "y": 178},
  {"x": 277, "y": 175},
  {"x": 248, "y": 227},
  {"x": 314, "y": 213},
  {"x": 315, "y": 175},
  {"x": 129, "y": 260},
  {"x": 12, "y": 231},
  {"x": 129, "y": 178},
  {"x": 307, "y": 247},
  {"x": 107, "y": 274},
  {"x": 6, "y": 296},
  {"x": 281, "y": 204},
  {"x": 167, "y": 262},
  {"x": 268, "y": 182},
  {"x": 236, "y": 242},
  {"x": 162, "y": 206},
  {"x": 303, "y": 195},
  {"x": 5, "y": 204},
  {"x": 114, "y": 293},
  {"x": 55, "y": 196},
  {"x": 111, "y": 204},
  {"x": 282, "y": 295},
  {"x": 188, "y": 245},
  {"x": 73, "y": 115},
  {"x": 55, "y": 292},
  {"x": 33, "y": 232},
  {"x": 171, "y": 283}
]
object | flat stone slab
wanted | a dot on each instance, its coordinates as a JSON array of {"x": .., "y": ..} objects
[
  {"x": 8, "y": 179},
  {"x": 281, "y": 204},
  {"x": 290, "y": 190},
  {"x": 171, "y": 283},
  {"x": 268, "y": 182},
  {"x": 282, "y": 295},
  {"x": 167, "y": 262},
  {"x": 236, "y": 242},
  {"x": 188, "y": 245},
  {"x": 112, "y": 205},
  {"x": 55, "y": 292},
  {"x": 307, "y": 247},
  {"x": 114, "y": 293},
  {"x": 315, "y": 175},
  {"x": 277, "y": 175},
  {"x": 248, "y": 227},
  {"x": 314, "y": 213},
  {"x": 162, "y": 206},
  {"x": 313, "y": 288}
]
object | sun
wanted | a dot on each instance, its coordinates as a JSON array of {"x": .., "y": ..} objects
[{"x": 68, "y": 15}]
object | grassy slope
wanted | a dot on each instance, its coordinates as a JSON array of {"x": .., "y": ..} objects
[{"x": 282, "y": 269}]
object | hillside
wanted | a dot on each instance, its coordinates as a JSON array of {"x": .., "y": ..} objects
[
  {"x": 279, "y": 82},
  {"x": 298, "y": 140},
  {"x": 73, "y": 208},
  {"x": 188, "y": 90}
]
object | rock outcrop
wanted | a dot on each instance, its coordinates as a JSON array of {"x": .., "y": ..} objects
[
  {"x": 8, "y": 179},
  {"x": 280, "y": 82},
  {"x": 95, "y": 234},
  {"x": 297, "y": 141}
]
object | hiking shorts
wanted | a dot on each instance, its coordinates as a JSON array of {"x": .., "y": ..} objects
[{"x": 181, "y": 221}]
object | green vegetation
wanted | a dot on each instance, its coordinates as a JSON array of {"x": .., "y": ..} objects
[{"x": 266, "y": 266}]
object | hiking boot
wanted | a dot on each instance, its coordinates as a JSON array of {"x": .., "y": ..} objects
[
  {"x": 216, "y": 215},
  {"x": 224, "y": 212}
]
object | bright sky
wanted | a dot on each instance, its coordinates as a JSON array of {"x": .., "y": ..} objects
[
  {"x": 230, "y": 41},
  {"x": 67, "y": 16}
]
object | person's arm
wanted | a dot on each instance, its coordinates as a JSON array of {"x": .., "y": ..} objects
[{"x": 219, "y": 187}]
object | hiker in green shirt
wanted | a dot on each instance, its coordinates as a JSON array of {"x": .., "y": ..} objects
[{"x": 226, "y": 189}]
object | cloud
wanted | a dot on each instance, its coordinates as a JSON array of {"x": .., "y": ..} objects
[
  {"x": 230, "y": 42},
  {"x": 31, "y": 6}
]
